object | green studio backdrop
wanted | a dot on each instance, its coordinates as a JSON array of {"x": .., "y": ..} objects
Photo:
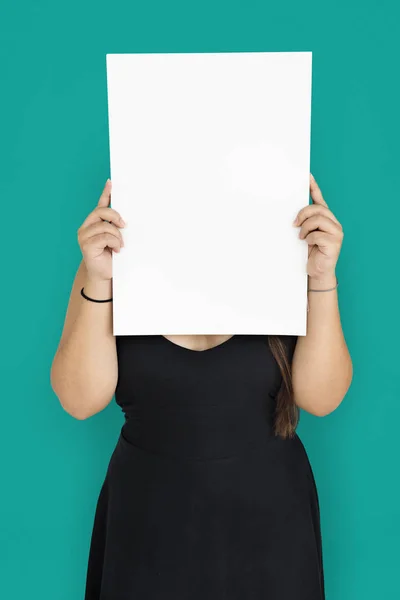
[{"x": 54, "y": 163}]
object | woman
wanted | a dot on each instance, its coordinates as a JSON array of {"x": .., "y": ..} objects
[{"x": 209, "y": 494}]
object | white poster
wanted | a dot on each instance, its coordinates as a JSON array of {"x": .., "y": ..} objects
[{"x": 210, "y": 163}]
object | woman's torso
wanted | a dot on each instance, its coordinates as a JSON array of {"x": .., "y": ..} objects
[
  {"x": 196, "y": 403},
  {"x": 201, "y": 499}
]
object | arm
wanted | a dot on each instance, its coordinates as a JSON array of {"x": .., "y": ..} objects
[
  {"x": 322, "y": 368},
  {"x": 84, "y": 371}
]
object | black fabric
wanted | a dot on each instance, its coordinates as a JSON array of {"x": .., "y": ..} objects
[{"x": 200, "y": 500}]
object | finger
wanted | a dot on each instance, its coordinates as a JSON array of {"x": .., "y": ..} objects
[
  {"x": 105, "y": 197},
  {"x": 100, "y": 242},
  {"x": 314, "y": 209},
  {"x": 103, "y": 213},
  {"x": 97, "y": 228},
  {"x": 319, "y": 238},
  {"x": 315, "y": 192},
  {"x": 318, "y": 222}
]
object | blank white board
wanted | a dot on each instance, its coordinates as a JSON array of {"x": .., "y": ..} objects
[{"x": 210, "y": 163}]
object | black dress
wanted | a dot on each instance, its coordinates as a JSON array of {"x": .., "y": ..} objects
[{"x": 200, "y": 500}]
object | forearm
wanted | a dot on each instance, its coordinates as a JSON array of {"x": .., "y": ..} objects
[
  {"x": 322, "y": 367},
  {"x": 84, "y": 370}
]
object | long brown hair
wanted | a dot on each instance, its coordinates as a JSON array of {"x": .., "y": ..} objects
[{"x": 286, "y": 412}]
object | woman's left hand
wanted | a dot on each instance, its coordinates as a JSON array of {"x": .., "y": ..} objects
[{"x": 323, "y": 233}]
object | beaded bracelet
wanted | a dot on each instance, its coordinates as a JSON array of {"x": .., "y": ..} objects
[{"x": 328, "y": 290}]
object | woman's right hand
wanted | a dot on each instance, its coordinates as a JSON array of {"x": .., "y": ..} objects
[{"x": 99, "y": 236}]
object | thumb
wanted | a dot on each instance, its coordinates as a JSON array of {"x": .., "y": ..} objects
[{"x": 105, "y": 197}]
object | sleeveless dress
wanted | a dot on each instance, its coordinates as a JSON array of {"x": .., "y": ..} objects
[{"x": 201, "y": 501}]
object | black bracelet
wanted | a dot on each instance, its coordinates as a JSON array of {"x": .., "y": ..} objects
[{"x": 93, "y": 299}]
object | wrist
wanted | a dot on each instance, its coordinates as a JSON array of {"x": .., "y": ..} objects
[
  {"x": 100, "y": 289},
  {"x": 322, "y": 283}
]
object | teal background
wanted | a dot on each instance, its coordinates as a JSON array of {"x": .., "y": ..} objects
[{"x": 54, "y": 162}]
